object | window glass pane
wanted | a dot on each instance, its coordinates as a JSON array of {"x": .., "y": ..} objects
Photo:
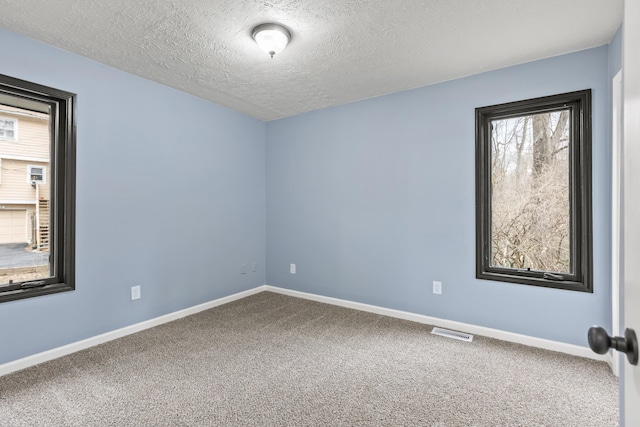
[
  {"x": 530, "y": 193},
  {"x": 7, "y": 124},
  {"x": 7, "y": 128},
  {"x": 25, "y": 214}
]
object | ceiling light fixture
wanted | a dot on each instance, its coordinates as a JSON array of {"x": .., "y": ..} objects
[{"x": 272, "y": 38}]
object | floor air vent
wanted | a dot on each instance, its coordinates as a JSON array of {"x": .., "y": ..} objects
[{"x": 453, "y": 334}]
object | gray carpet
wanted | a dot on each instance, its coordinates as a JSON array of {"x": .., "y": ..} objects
[{"x": 273, "y": 360}]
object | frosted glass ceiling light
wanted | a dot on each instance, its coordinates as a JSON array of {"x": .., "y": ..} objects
[{"x": 272, "y": 38}]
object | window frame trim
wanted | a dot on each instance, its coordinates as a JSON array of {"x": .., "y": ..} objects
[
  {"x": 581, "y": 198},
  {"x": 15, "y": 129},
  {"x": 43, "y": 181},
  {"x": 63, "y": 187}
]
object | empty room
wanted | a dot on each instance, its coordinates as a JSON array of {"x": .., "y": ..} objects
[{"x": 417, "y": 213}]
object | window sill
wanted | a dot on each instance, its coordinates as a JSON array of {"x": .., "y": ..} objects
[
  {"x": 34, "y": 292},
  {"x": 568, "y": 285}
]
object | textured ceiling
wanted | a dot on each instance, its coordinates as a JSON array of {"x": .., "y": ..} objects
[{"x": 341, "y": 51}]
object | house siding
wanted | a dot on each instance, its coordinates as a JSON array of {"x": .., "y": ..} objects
[
  {"x": 14, "y": 185},
  {"x": 29, "y": 148},
  {"x": 32, "y": 135}
]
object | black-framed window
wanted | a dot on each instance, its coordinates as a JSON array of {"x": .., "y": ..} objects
[
  {"x": 533, "y": 192},
  {"x": 37, "y": 215}
]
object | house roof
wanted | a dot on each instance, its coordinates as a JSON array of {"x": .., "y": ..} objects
[{"x": 340, "y": 51}]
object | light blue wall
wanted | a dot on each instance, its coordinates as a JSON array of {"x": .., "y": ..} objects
[
  {"x": 170, "y": 196},
  {"x": 374, "y": 200},
  {"x": 615, "y": 53}
]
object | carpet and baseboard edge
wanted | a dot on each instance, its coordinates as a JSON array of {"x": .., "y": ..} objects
[
  {"x": 55, "y": 353},
  {"x": 561, "y": 347}
]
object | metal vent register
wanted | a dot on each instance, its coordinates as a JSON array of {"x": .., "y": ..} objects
[{"x": 452, "y": 334}]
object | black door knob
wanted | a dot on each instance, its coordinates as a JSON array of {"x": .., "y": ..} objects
[{"x": 600, "y": 342}]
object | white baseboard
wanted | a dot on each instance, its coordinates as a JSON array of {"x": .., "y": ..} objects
[
  {"x": 45, "y": 356},
  {"x": 561, "y": 347},
  {"x": 55, "y": 353}
]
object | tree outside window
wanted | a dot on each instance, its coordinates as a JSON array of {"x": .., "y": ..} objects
[{"x": 533, "y": 192}]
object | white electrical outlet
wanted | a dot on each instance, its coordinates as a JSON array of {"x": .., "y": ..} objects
[
  {"x": 437, "y": 287},
  {"x": 254, "y": 267},
  {"x": 292, "y": 269},
  {"x": 135, "y": 293},
  {"x": 243, "y": 269}
]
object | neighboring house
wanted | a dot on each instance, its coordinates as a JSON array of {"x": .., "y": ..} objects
[{"x": 24, "y": 177}]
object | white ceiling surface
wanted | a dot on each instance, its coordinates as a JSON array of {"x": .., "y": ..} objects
[{"x": 341, "y": 51}]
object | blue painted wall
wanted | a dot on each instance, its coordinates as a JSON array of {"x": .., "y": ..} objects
[
  {"x": 374, "y": 200},
  {"x": 615, "y": 53},
  {"x": 170, "y": 196}
]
